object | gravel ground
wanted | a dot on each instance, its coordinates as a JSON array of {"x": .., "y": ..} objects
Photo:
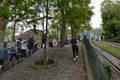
[{"x": 64, "y": 69}]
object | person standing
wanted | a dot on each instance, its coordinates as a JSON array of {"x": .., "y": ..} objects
[
  {"x": 75, "y": 48},
  {"x": 50, "y": 43},
  {"x": 13, "y": 53},
  {"x": 23, "y": 49},
  {"x": 3, "y": 56},
  {"x": 18, "y": 48},
  {"x": 43, "y": 40},
  {"x": 31, "y": 45}
]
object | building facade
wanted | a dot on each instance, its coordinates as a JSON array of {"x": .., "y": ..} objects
[{"x": 30, "y": 33}]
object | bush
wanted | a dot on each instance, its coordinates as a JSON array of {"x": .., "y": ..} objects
[{"x": 108, "y": 69}]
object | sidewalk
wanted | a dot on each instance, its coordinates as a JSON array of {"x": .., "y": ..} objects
[{"x": 64, "y": 69}]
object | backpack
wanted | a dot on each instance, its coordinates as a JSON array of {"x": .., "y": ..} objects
[
  {"x": 73, "y": 41},
  {"x": 18, "y": 43}
]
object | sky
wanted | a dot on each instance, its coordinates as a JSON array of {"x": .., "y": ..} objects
[{"x": 96, "y": 18}]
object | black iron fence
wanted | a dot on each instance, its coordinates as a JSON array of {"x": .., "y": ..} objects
[{"x": 97, "y": 67}]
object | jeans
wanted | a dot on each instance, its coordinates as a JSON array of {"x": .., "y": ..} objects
[{"x": 13, "y": 55}]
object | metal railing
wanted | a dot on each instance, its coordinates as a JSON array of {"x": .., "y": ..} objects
[{"x": 97, "y": 67}]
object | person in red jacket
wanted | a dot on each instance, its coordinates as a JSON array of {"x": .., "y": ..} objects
[{"x": 50, "y": 42}]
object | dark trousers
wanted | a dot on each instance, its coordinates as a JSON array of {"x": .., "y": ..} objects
[
  {"x": 23, "y": 53},
  {"x": 13, "y": 55},
  {"x": 75, "y": 50},
  {"x": 50, "y": 44},
  {"x": 42, "y": 44}
]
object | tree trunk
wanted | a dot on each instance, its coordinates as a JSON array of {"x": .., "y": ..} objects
[
  {"x": 45, "y": 53},
  {"x": 3, "y": 20},
  {"x": 2, "y": 31},
  {"x": 14, "y": 29},
  {"x": 63, "y": 31},
  {"x": 43, "y": 19},
  {"x": 72, "y": 32},
  {"x": 43, "y": 22}
]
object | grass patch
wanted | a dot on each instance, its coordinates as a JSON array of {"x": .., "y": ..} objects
[
  {"x": 108, "y": 69},
  {"x": 108, "y": 48},
  {"x": 84, "y": 62}
]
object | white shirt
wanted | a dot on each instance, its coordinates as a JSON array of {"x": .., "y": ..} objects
[{"x": 24, "y": 46}]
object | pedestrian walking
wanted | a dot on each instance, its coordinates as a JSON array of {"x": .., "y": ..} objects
[
  {"x": 3, "y": 56},
  {"x": 23, "y": 49},
  {"x": 30, "y": 45},
  {"x": 50, "y": 42},
  {"x": 13, "y": 53},
  {"x": 75, "y": 48},
  {"x": 18, "y": 48},
  {"x": 43, "y": 41}
]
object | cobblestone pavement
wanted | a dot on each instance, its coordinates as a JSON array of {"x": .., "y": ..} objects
[{"x": 64, "y": 69}]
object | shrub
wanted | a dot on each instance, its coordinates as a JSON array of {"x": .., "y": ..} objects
[{"x": 108, "y": 69}]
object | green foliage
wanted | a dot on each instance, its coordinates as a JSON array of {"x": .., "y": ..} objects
[
  {"x": 64, "y": 13},
  {"x": 8, "y": 34},
  {"x": 79, "y": 17},
  {"x": 76, "y": 13},
  {"x": 111, "y": 18},
  {"x": 3, "y": 13},
  {"x": 108, "y": 69},
  {"x": 115, "y": 39},
  {"x": 4, "y": 9},
  {"x": 108, "y": 48},
  {"x": 53, "y": 34}
]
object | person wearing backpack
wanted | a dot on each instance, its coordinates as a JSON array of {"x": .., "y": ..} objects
[{"x": 75, "y": 48}]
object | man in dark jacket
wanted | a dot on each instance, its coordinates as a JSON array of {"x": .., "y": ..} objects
[
  {"x": 30, "y": 45},
  {"x": 75, "y": 48},
  {"x": 43, "y": 40}
]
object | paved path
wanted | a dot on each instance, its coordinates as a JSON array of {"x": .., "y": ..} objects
[{"x": 64, "y": 69}]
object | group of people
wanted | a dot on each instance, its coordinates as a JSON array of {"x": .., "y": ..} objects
[
  {"x": 74, "y": 42},
  {"x": 51, "y": 42},
  {"x": 20, "y": 49}
]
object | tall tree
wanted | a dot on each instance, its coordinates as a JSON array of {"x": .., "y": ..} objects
[
  {"x": 4, "y": 15},
  {"x": 82, "y": 16},
  {"x": 74, "y": 13},
  {"x": 45, "y": 55},
  {"x": 63, "y": 6},
  {"x": 111, "y": 17}
]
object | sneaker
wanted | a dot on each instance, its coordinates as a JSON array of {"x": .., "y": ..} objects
[
  {"x": 23, "y": 58},
  {"x": 75, "y": 59}
]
